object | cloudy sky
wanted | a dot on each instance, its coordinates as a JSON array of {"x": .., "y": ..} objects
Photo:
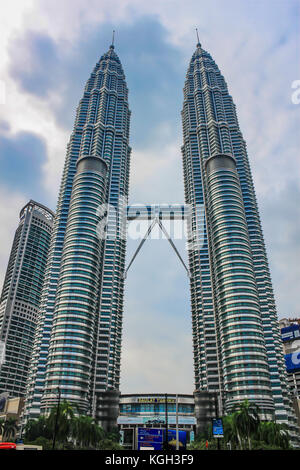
[{"x": 48, "y": 49}]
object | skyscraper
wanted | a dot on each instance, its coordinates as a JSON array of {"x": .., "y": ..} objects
[
  {"x": 21, "y": 295},
  {"x": 237, "y": 347},
  {"x": 237, "y": 350},
  {"x": 78, "y": 341}
]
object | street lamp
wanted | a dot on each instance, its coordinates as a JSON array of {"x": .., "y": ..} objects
[
  {"x": 219, "y": 408},
  {"x": 166, "y": 419},
  {"x": 56, "y": 419}
]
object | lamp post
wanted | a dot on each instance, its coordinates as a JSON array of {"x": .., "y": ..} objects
[
  {"x": 177, "y": 432},
  {"x": 219, "y": 408},
  {"x": 166, "y": 419},
  {"x": 56, "y": 419},
  {"x": 217, "y": 417}
]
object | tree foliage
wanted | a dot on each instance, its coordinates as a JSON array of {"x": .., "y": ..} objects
[
  {"x": 73, "y": 431},
  {"x": 8, "y": 429},
  {"x": 243, "y": 430}
]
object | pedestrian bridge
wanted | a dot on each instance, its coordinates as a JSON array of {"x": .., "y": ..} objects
[{"x": 158, "y": 211}]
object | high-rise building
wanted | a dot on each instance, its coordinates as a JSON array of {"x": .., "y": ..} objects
[
  {"x": 21, "y": 295},
  {"x": 78, "y": 341},
  {"x": 236, "y": 338},
  {"x": 138, "y": 411},
  {"x": 237, "y": 347}
]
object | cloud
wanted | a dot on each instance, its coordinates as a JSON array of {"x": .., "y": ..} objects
[
  {"x": 22, "y": 156},
  {"x": 35, "y": 63},
  {"x": 281, "y": 214},
  {"x": 154, "y": 70},
  {"x": 55, "y": 73}
]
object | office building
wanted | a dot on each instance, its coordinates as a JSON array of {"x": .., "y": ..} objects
[
  {"x": 236, "y": 338},
  {"x": 21, "y": 296}
]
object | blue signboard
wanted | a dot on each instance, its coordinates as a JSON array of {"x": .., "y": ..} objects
[
  {"x": 172, "y": 438},
  {"x": 292, "y": 362},
  {"x": 290, "y": 332},
  {"x": 154, "y": 438},
  {"x": 217, "y": 428},
  {"x": 150, "y": 438}
]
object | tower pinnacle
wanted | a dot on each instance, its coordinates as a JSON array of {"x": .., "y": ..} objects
[
  {"x": 198, "y": 42},
  {"x": 112, "y": 46}
]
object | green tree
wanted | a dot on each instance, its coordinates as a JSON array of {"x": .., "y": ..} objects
[
  {"x": 273, "y": 434},
  {"x": 85, "y": 432},
  {"x": 113, "y": 435},
  {"x": 41, "y": 441},
  {"x": 38, "y": 428},
  {"x": 244, "y": 430},
  {"x": 10, "y": 429},
  {"x": 65, "y": 416},
  {"x": 1, "y": 426},
  {"x": 108, "y": 444},
  {"x": 245, "y": 422},
  {"x": 73, "y": 432},
  {"x": 230, "y": 433}
]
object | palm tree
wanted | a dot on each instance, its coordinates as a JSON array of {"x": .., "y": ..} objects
[
  {"x": 82, "y": 430},
  {"x": 86, "y": 432},
  {"x": 1, "y": 426},
  {"x": 65, "y": 420},
  {"x": 246, "y": 422},
  {"x": 66, "y": 409},
  {"x": 38, "y": 428},
  {"x": 230, "y": 434},
  {"x": 274, "y": 434},
  {"x": 113, "y": 435},
  {"x": 10, "y": 428}
]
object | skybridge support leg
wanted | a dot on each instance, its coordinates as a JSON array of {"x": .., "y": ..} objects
[{"x": 150, "y": 228}]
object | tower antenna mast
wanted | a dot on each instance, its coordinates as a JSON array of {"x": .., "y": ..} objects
[
  {"x": 113, "y": 38},
  {"x": 197, "y": 36}
]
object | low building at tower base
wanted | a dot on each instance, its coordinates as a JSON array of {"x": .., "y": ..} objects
[{"x": 143, "y": 420}]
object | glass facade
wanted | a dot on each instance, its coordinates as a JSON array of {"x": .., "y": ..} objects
[
  {"x": 237, "y": 350},
  {"x": 71, "y": 349},
  {"x": 21, "y": 295},
  {"x": 155, "y": 408},
  {"x": 150, "y": 410},
  {"x": 101, "y": 130}
]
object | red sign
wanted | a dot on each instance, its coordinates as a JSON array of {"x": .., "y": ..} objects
[{"x": 7, "y": 446}]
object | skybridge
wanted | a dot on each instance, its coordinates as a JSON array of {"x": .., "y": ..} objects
[{"x": 157, "y": 213}]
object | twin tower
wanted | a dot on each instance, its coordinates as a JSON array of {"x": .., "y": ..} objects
[{"x": 77, "y": 346}]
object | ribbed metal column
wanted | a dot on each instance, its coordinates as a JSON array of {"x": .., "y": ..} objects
[
  {"x": 244, "y": 359},
  {"x": 71, "y": 345}
]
